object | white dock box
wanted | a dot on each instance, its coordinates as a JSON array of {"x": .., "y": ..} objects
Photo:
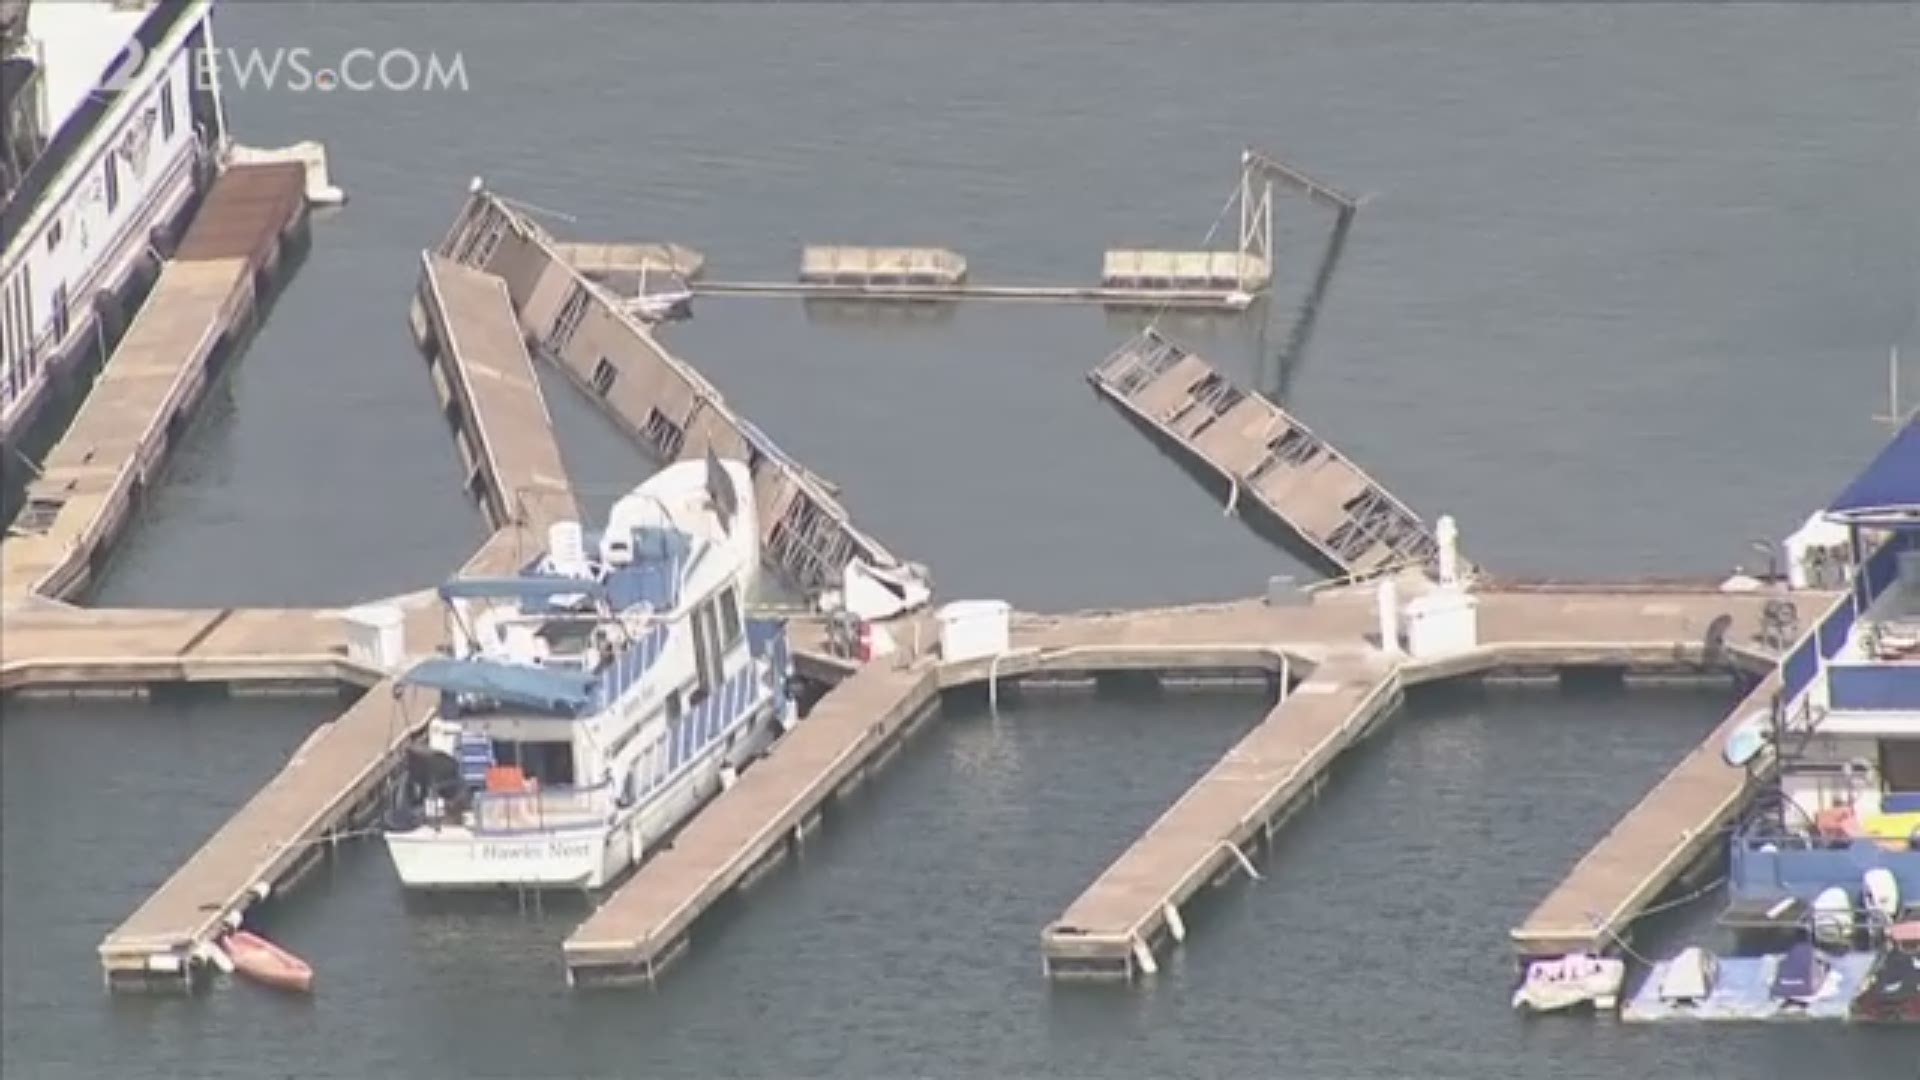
[
  {"x": 376, "y": 636},
  {"x": 973, "y": 629},
  {"x": 1441, "y": 623}
]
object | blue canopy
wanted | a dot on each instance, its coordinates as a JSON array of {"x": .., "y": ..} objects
[
  {"x": 529, "y": 587},
  {"x": 568, "y": 692},
  {"x": 1888, "y": 493}
]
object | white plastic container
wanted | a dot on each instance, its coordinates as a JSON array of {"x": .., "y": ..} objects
[
  {"x": 1441, "y": 623},
  {"x": 974, "y": 629},
  {"x": 376, "y": 636}
]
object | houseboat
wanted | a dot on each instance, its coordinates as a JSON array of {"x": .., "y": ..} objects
[
  {"x": 110, "y": 121},
  {"x": 1844, "y": 811},
  {"x": 597, "y": 699}
]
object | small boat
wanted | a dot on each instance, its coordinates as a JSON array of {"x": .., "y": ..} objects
[
  {"x": 1690, "y": 976},
  {"x": 1569, "y": 981},
  {"x": 1747, "y": 739},
  {"x": 1801, "y": 976},
  {"x": 1892, "y": 995},
  {"x": 266, "y": 963},
  {"x": 1833, "y": 918}
]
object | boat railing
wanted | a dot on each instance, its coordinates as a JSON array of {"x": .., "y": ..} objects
[{"x": 534, "y": 811}]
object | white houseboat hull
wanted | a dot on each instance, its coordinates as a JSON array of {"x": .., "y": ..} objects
[{"x": 587, "y": 857}]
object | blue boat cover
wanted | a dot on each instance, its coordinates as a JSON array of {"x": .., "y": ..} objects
[
  {"x": 569, "y": 692},
  {"x": 530, "y": 587},
  {"x": 1888, "y": 493}
]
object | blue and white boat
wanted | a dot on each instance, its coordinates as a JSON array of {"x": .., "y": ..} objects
[
  {"x": 594, "y": 702},
  {"x": 1845, "y": 812}
]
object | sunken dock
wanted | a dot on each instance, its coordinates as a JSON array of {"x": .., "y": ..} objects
[
  {"x": 202, "y": 304},
  {"x": 1346, "y": 521}
]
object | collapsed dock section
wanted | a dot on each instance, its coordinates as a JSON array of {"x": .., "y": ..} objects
[
  {"x": 464, "y": 322},
  {"x": 203, "y": 302},
  {"x": 1347, "y": 521},
  {"x": 675, "y": 413}
]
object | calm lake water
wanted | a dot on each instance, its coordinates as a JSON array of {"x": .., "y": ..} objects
[{"x": 1620, "y": 301}]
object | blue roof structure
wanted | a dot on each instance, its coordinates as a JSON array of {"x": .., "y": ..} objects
[
  {"x": 569, "y": 693},
  {"x": 1888, "y": 492}
]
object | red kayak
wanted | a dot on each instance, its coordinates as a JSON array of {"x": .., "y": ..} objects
[{"x": 264, "y": 962}]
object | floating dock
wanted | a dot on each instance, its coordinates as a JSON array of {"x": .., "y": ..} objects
[
  {"x": 749, "y": 826},
  {"x": 827, "y": 264},
  {"x": 1267, "y": 458},
  {"x": 1662, "y": 837},
  {"x": 1113, "y": 928},
  {"x": 202, "y": 303},
  {"x": 332, "y": 785},
  {"x": 463, "y": 321},
  {"x": 1196, "y": 299},
  {"x": 500, "y": 292},
  {"x": 668, "y": 406},
  {"x": 618, "y": 262},
  {"x": 72, "y": 649}
]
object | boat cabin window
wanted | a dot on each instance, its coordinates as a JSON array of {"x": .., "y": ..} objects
[
  {"x": 550, "y": 764},
  {"x": 1900, "y": 764},
  {"x": 730, "y": 629},
  {"x": 707, "y": 651}
]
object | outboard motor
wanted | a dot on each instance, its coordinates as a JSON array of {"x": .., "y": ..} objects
[{"x": 1880, "y": 895}]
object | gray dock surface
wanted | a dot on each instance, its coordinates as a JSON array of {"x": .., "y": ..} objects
[
  {"x": 201, "y": 303},
  {"x": 1269, "y": 459},
  {"x": 486, "y": 383},
  {"x": 644, "y": 924}
]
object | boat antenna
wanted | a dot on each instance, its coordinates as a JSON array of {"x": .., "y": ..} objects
[{"x": 1895, "y": 416}]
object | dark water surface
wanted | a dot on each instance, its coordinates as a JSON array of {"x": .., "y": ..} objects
[{"x": 1620, "y": 301}]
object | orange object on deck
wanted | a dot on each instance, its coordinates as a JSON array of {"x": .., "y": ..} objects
[{"x": 506, "y": 779}]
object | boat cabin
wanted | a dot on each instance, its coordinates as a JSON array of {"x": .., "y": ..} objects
[
  {"x": 573, "y": 686},
  {"x": 1848, "y": 794}
]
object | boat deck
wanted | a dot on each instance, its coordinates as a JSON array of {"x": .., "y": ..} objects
[
  {"x": 1115, "y": 925},
  {"x": 491, "y": 394},
  {"x": 331, "y": 784},
  {"x": 645, "y": 924},
  {"x": 202, "y": 301}
]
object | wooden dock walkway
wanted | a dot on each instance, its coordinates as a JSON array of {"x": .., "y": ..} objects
[
  {"x": 1269, "y": 460},
  {"x": 645, "y": 924},
  {"x": 1104, "y": 295},
  {"x": 1665, "y": 834},
  {"x": 131, "y": 647},
  {"x": 670, "y": 408},
  {"x": 201, "y": 304},
  {"x": 464, "y": 322},
  {"x": 1114, "y": 927},
  {"x": 332, "y": 784}
]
